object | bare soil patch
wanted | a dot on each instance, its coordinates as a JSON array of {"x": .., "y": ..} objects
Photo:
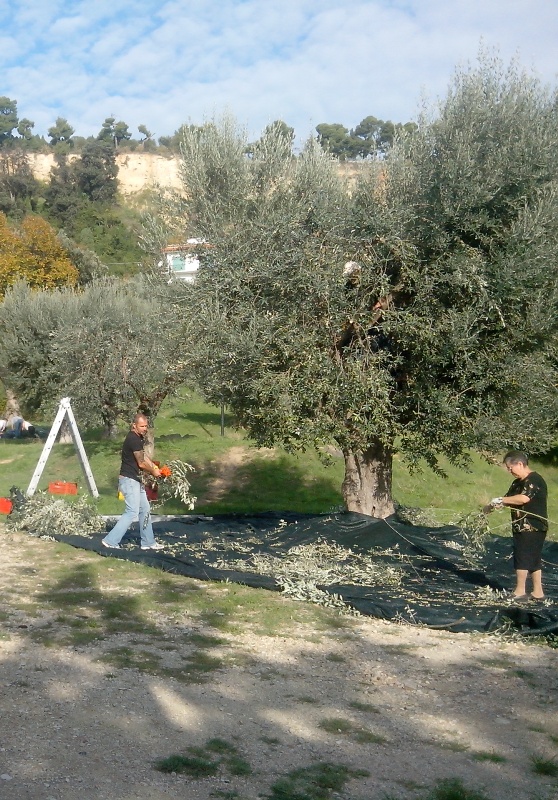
[
  {"x": 407, "y": 704},
  {"x": 226, "y": 471}
]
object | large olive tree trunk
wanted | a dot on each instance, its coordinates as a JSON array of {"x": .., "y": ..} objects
[{"x": 367, "y": 483}]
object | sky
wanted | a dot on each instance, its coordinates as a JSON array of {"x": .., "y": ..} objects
[{"x": 168, "y": 62}]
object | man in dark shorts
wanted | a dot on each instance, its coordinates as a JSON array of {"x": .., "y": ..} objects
[
  {"x": 527, "y": 498},
  {"x": 134, "y": 461}
]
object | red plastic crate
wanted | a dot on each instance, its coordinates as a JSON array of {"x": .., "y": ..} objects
[
  {"x": 62, "y": 487},
  {"x": 6, "y": 505}
]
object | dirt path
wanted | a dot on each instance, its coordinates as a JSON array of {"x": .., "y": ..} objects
[
  {"x": 226, "y": 469},
  {"x": 408, "y": 705}
]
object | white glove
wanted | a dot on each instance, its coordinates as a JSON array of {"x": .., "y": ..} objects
[{"x": 496, "y": 502}]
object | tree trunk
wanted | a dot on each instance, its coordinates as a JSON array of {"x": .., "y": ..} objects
[
  {"x": 149, "y": 446},
  {"x": 109, "y": 415},
  {"x": 110, "y": 429},
  {"x": 65, "y": 432},
  {"x": 149, "y": 407},
  {"x": 367, "y": 483},
  {"x": 12, "y": 405}
]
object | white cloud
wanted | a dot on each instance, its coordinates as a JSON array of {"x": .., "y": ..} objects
[{"x": 304, "y": 61}]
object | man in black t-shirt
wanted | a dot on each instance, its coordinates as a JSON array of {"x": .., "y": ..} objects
[
  {"x": 527, "y": 499},
  {"x": 134, "y": 462}
]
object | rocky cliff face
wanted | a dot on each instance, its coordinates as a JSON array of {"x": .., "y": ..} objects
[{"x": 136, "y": 171}]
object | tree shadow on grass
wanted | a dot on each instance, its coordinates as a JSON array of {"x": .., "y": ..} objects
[
  {"x": 78, "y": 591},
  {"x": 206, "y": 420},
  {"x": 277, "y": 484}
]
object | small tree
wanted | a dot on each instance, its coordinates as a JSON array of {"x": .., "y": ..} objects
[
  {"x": 338, "y": 141},
  {"x": 19, "y": 189},
  {"x": 96, "y": 172},
  {"x": 8, "y": 119},
  {"x": 114, "y": 132},
  {"x": 63, "y": 197},
  {"x": 25, "y": 128},
  {"x": 378, "y": 136},
  {"x": 87, "y": 263},
  {"x": 145, "y": 133},
  {"x": 32, "y": 252},
  {"x": 60, "y": 135},
  {"x": 112, "y": 347}
]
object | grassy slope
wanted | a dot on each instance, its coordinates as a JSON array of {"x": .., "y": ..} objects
[{"x": 266, "y": 481}]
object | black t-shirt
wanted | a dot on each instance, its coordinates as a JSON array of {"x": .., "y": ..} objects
[
  {"x": 133, "y": 443},
  {"x": 533, "y": 514}
]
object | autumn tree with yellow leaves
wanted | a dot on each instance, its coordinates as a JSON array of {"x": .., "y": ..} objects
[{"x": 31, "y": 252}]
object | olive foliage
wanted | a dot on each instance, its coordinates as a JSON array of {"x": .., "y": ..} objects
[
  {"x": 414, "y": 311},
  {"x": 111, "y": 346}
]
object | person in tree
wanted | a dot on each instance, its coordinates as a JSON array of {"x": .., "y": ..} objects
[
  {"x": 527, "y": 499},
  {"x": 135, "y": 461},
  {"x": 352, "y": 273}
]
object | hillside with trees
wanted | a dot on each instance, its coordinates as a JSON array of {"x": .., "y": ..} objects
[{"x": 93, "y": 189}]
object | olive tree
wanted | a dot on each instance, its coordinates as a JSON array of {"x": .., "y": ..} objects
[
  {"x": 111, "y": 347},
  {"x": 413, "y": 312}
]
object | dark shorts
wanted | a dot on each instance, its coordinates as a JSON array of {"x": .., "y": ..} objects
[{"x": 527, "y": 550}]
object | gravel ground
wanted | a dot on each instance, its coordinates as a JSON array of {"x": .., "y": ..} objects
[{"x": 409, "y": 705}]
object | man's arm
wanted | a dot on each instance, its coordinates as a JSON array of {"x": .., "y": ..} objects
[{"x": 146, "y": 464}]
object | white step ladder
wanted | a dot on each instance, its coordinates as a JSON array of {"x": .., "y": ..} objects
[{"x": 64, "y": 410}]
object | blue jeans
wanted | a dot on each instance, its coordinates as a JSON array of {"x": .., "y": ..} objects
[{"x": 137, "y": 506}]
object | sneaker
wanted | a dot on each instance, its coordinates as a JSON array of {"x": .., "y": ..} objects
[
  {"x": 110, "y": 546},
  {"x": 154, "y": 546}
]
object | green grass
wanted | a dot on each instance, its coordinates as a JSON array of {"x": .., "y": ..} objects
[
  {"x": 317, "y": 782},
  {"x": 368, "y": 708},
  {"x": 336, "y": 725},
  {"x": 544, "y": 766},
  {"x": 189, "y": 429},
  {"x": 488, "y": 755},
  {"x": 195, "y": 766},
  {"x": 344, "y": 727},
  {"x": 204, "y": 762},
  {"x": 454, "y": 789}
]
